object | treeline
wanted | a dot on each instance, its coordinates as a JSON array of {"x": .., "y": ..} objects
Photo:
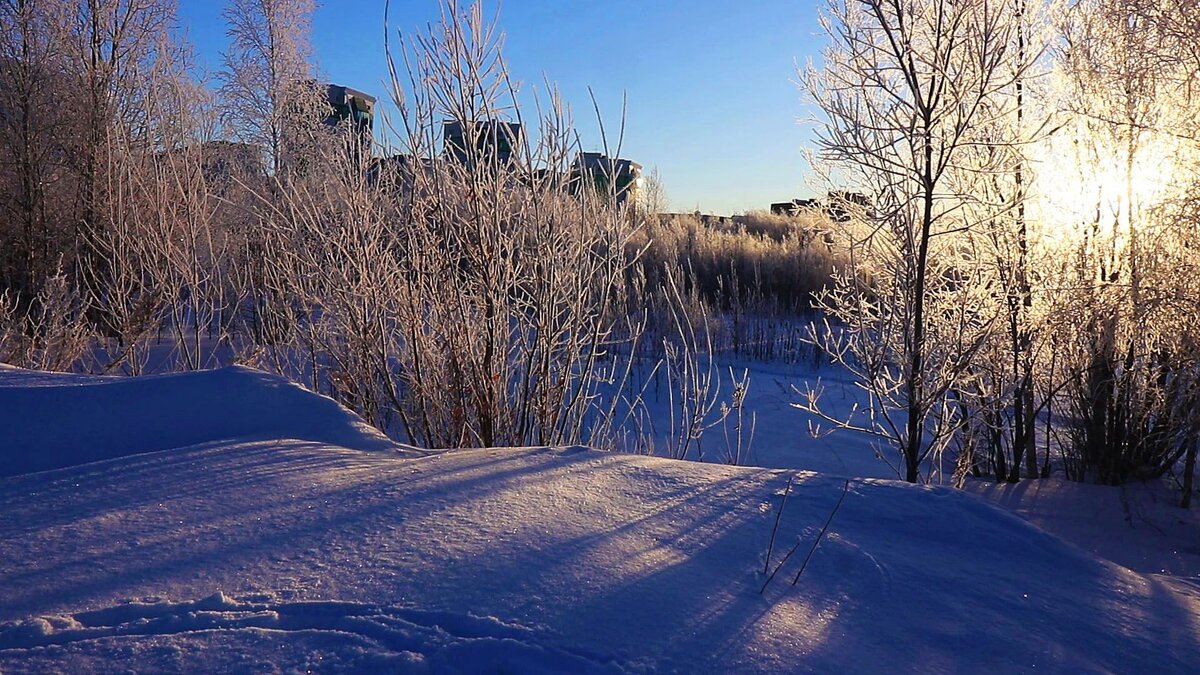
[
  {"x": 764, "y": 262},
  {"x": 1025, "y": 281},
  {"x": 132, "y": 190},
  {"x": 750, "y": 280}
]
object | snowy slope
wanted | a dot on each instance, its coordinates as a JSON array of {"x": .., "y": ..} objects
[
  {"x": 261, "y": 555},
  {"x": 1138, "y": 525},
  {"x": 573, "y": 557},
  {"x": 52, "y": 420}
]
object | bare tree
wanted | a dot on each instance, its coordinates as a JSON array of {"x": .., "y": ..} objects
[
  {"x": 113, "y": 47},
  {"x": 1002, "y": 395},
  {"x": 267, "y": 80},
  {"x": 32, "y": 139},
  {"x": 652, "y": 198},
  {"x": 1182, "y": 27},
  {"x": 1135, "y": 392},
  {"x": 904, "y": 88},
  {"x": 50, "y": 333}
]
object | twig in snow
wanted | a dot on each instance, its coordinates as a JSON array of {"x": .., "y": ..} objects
[
  {"x": 811, "y": 551},
  {"x": 777, "y": 567},
  {"x": 775, "y": 529}
]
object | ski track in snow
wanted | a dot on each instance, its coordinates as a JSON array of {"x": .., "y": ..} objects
[{"x": 420, "y": 640}]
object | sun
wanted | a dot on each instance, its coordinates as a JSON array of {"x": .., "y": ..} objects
[{"x": 1081, "y": 183}]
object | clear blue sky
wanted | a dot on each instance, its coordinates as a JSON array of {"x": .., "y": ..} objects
[{"x": 712, "y": 99}]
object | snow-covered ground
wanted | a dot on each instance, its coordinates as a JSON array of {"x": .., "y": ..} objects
[
  {"x": 1139, "y": 525},
  {"x": 194, "y": 549},
  {"x": 782, "y": 435},
  {"x": 53, "y": 420}
]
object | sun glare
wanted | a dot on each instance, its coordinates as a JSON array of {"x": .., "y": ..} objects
[{"x": 1080, "y": 183}]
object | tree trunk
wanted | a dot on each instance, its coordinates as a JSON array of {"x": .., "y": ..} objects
[{"x": 916, "y": 394}]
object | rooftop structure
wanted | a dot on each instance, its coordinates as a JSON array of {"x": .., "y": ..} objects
[
  {"x": 839, "y": 206},
  {"x": 350, "y": 105}
]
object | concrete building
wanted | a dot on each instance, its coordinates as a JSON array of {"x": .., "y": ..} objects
[
  {"x": 839, "y": 206},
  {"x": 622, "y": 177},
  {"x": 350, "y": 105},
  {"x": 480, "y": 141},
  {"x": 795, "y": 207}
]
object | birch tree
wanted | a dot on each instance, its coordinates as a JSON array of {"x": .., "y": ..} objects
[
  {"x": 1134, "y": 394},
  {"x": 1007, "y": 387},
  {"x": 32, "y": 133},
  {"x": 113, "y": 49}
]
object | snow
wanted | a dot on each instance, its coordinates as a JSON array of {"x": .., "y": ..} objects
[
  {"x": 782, "y": 437},
  {"x": 1139, "y": 525},
  {"x": 269, "y": 552},
  {"x": 52, "y": 420},
  {"x": 329, "y": 633}
]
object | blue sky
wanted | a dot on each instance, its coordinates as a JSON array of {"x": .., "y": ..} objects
[{"x": 712, "y": 99}]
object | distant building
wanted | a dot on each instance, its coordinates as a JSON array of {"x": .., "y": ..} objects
[
  {"x": 225, "y": 160},
  {"x": 840, "y": 206},
  {"x": 706, "y": 219},
  {"x": 621, "y": 177},
  {"x": 224, "y": 165},
  {"x": 469, "y": 144},
  {"x": 480, "y": 141},
  {"x": 795, "y": 207},
  {"x": 309, "y": 130},
  {"x": 398, "y": 170},
  {"x": 352, "y": 106}
]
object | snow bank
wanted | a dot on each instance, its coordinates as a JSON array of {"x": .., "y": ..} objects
[
  {"x": 54, "y": 420},
  {"x": 290, "y": 556},
  {"x": 282, "y": 551},
  {"x": 1137, "y": 525}
]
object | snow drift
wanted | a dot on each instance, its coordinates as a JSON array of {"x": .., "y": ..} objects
[
  {"x": 53, "y": 420},
  {"x": 281, "y": 555}
]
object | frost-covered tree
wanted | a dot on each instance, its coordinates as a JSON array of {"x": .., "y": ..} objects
[
  {"x": 1007, "y": 386},
  {"x": 267, "y": 81},
  {"x": 32, "y": 130},
  {"x": 905, "y": 88},
  {"x": 114, "y": 47},
  {"x": 1133, "y": 394}
]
